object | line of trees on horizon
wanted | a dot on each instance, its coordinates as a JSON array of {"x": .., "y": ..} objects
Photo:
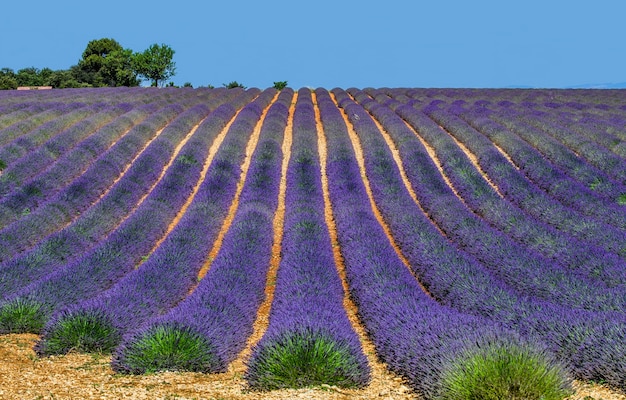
[{"x": 104, "y": 63}]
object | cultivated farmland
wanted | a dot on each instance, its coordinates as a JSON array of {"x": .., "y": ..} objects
[{"x": 356, "y": 239}]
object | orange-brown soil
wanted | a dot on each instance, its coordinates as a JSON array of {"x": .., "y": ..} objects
[
  {"x": 180, "y": 213},
  {"x": 250, "y": 146},
  {"x": 360, "y": 158},
  {"x": 381, "y": 377},
  {"x": 261, "y": 322},
  {"x": 24, "y": 376}
]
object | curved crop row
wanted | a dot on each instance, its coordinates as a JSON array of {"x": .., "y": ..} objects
[
  {"x": 40, "y": 188},
  {"x": 561, "y": 156},
  {"x": 526, "y": 195},
  {"x": 588, "y": 342},
  {"x": 114, "y": 256},
  {"x": 545, "y": 175},
  {"x": 41, "y": 157},
  {"x": 26, "y": 119},
  {"x": 42, "y": 107},
  {"x": 104, "y": 215},
  {"x": 209, "y": 327},
  {"x": 471, "y": 268},
  {"x": 92, "y": 225},
  {"x": 78, "y": 196},
  {"x": 166, "y": 276},
  {"x": 520, "y": 268},
  {"x": 309, "y": 340},
  {"x": 139, "y": 110},
  {"x": 574, "y": 256},
  {"x": 569, "y": 252},
  {"x": 477, "y": 194},
  {"x": 596, "y": 154},
  {"x": 36, "y": 188},
  {"x": 417, "y": 337},
  {"x": 15, "y": 113},
  {"x": 22, "y": 145},
  {"x": 609, "y": 132}
]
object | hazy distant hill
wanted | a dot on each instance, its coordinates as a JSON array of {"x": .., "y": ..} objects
[{"x": 619, "y": 85}]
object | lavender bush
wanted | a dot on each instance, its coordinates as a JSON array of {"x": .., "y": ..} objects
[
  {"x": 309, "y": 340},
  {"x": 526, "y": 195},
  {"x": 166, "y": 277},
  {"x": 417, "y": 337},
  {"x": 567, "y": 250},
  {"x": 113, "y": 257},
  {"x": 208, "y": 329}
]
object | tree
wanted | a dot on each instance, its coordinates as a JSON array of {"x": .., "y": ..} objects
[
  {"x": 155, "y": 63},
  {"x": 233, "y": 85},
  {"x": 67, "y": 78},
  {"x": 117, "y": 69},
  {"x": 29, "y": 77},
  {"x": 41, "y": 77},
  {"x": 7, "y": 79},
  {"x": 280, "y": 85},
  {"x": 106, "y": 63}
]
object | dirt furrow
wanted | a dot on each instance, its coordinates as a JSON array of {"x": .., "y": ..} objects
[
  {"x": 398, "y": 160},
  {"x": 474, "y": 160},
  {"x": 181, "y": 212},
  {"x": 108, "y": 190},
  {"x": 505, "y": 155},
  {"x": 261, "y": 322},
  {"x": 383, "y": 383},
  {"x": 89, "y": 376},
  {"x": 232, "y": 210},
  {"x": 360, "y": 157}
]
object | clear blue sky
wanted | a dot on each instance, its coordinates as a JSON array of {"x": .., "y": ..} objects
[{"x": 337, "y": 43}]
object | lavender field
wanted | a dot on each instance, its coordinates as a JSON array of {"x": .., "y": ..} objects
[{"x": 188, "y": 229}]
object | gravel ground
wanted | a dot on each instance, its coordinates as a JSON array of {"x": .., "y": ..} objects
[{"x": 84, "y": 376}]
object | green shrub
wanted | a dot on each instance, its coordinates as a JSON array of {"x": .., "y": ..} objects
[
  {"x": 187, "y": 159},
  {"x": 234, "y": 84},
  {"x": 90, "y": 332},
  {"x": 166, "y": 348},
  {"x": 280, "y": 85},
  {"x": 21, "y": 316},
  {"x": 504, "y": 371},
  {"x": 7, "y": 83},
  {"x": 304, "y": 359}
]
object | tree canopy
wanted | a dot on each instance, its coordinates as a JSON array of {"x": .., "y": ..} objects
[
  {"x": 103, "y": 63},
  {"x": 156, "y": 63},
  {"x": 106, "y": 63}
]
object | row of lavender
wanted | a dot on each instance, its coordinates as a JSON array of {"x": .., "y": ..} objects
[
  {"x": 415, "y": 334},
  {"x": 505, "y": 301},
  {"x": 207, "y": 330},
  {"x": 49, "y": 200},
  {"x": 588, "y": 340},
  {"x": 80, "y": 313},
  {"x": 531, "y": 283},
  {"x": 588, "y": 208},
  {"x": 166, "y": 277},
  {"x": 104, "y": 199},
  {"x": 527, "y": 271},
  {"x": 309, "y": 340}
]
